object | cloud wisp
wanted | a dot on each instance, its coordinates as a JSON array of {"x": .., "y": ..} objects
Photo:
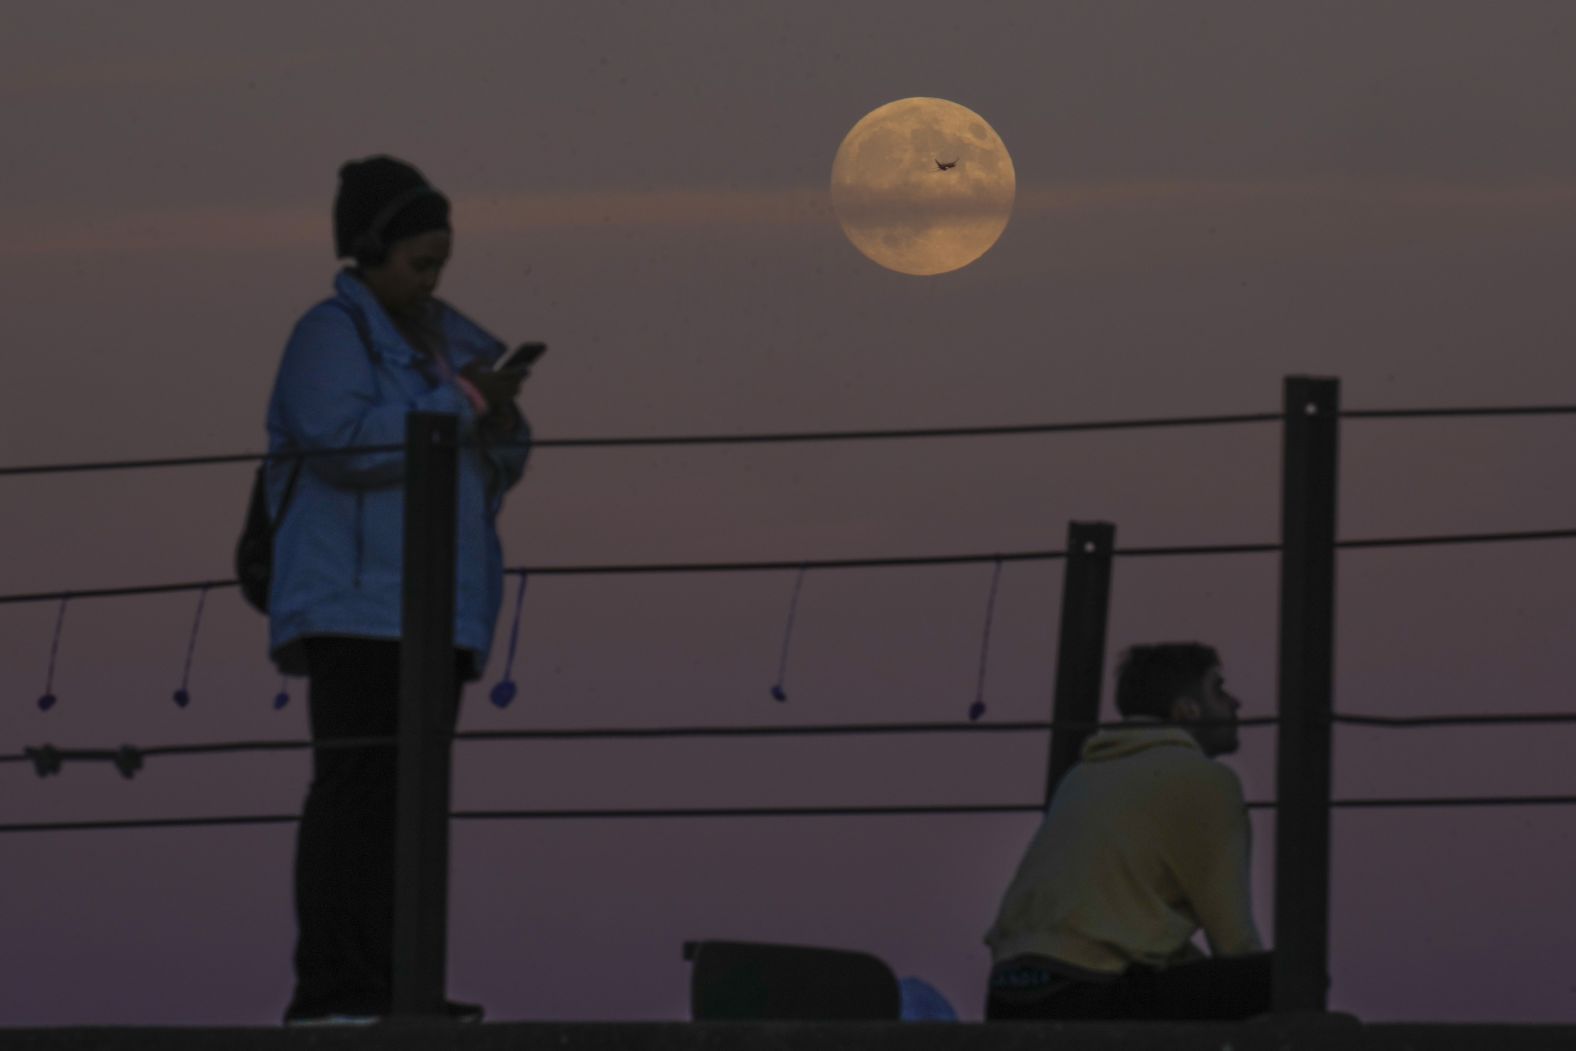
[{"x": 239, "y": 228}]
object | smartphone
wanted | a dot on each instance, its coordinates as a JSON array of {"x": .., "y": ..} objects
[{"x": 524, "y": 356}]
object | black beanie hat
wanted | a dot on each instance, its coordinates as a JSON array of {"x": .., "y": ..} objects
[{"x": 383, "y": 200}]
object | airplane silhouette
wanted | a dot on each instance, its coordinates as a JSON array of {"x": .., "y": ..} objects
[{"x": 942, "y": 166}]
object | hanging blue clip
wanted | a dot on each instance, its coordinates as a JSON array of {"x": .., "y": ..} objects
[
  {"x": 47, "y": 700},
  {"x": 503, "y": 694},
  {"x": 182, "y": 696},
  {"x": 977, "y": 709},
  {"x": 779, "y": 689}
]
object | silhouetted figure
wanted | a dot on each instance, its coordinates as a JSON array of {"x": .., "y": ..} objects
[
  {"x": 942, "y": 166},
  {"x": 355, "y": 365},
  {"x": 1144, "y": 843}
]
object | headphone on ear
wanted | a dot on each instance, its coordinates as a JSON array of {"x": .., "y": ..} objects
[{"x": 368, "y": 247}]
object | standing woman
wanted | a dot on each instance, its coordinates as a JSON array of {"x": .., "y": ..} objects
[{"x": 355, "y": 365}]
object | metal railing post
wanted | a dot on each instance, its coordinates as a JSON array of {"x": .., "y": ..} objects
[
  {"x": 1080, "y": 655},
  {"x": 427, "y": 671},
  {"x": 1307, "y": 652}
]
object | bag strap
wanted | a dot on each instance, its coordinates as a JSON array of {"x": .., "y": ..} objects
[{"x": 359, "y": 319}]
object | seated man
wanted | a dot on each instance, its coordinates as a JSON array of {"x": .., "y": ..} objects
[{"x": 1144, "y": 842}]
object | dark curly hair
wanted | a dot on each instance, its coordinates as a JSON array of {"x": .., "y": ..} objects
[{"x": 1150, "y": 677}]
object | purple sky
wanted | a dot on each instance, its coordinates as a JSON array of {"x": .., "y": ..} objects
[{"x": 1210, "y": 196}]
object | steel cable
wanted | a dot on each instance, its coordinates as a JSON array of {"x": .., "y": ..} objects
[
  {"x": 1424, "y": 802},
  {"x": 870, "y": 434},
  {"x": 612, "y": 733},
  {"x": 778, "y": 565}
]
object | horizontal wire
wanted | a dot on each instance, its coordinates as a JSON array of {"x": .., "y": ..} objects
[
  {"x": 1460, "y": 538},
  {"x": 806, "y": 730},
  {"x": 520, "y": 815},
  {"x": 1358, "y": 543},
  {"x": 647, "y": 441},
  {"x": 1431, "y": 802},
  {"x": 207, "y": 748},
  {"x": 149, "y": 822},
  {"x": 636, "y": 568},
  {"x": 780, "y": 730},
  {"x": 775, "y": 565},
  {"x": 1412, "y": 721},
  {"x": 122, "y": 592},
  {"x": 1194, "y": 549},
  {"x": 635, "y": 441},
  {"x": 758, "y": 812},
  {"x": 810, "y": 730},
  {"x": 832, "y": 729},
  {"x": 613, "y": 733},
  {"x": 192, "y": 461},
  {"x": 631, "y": 569},
  {"x": 1441, "y": 413},
  {"x": 987, "y": 431},
  {"x": 764, "y": 811}
]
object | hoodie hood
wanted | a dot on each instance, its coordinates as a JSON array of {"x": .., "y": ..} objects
[{"x": 1130, "y": 740}]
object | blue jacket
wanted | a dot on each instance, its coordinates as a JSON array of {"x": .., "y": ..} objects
[{"x": 338, "y": 552}]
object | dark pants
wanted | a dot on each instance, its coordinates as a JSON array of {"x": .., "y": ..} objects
[
  {"x": 1218, "y": 989},
  {"x": 344, "y": 870}
]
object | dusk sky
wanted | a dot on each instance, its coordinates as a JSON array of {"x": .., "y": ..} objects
[{"x": 1210, "y": 196}]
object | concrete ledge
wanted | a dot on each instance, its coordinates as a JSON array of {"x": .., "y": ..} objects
[{"x": 1316, "y": 1033}]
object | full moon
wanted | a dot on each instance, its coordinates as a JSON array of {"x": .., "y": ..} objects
[{"x": 923, "y": 186}]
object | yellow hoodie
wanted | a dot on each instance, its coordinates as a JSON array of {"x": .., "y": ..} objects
[{"x": 1145, "y": 841}]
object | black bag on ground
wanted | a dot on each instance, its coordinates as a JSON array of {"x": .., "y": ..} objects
[{"x": 757, "y": 981}]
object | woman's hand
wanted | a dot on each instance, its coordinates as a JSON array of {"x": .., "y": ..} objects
[{"x": 499, "y": 388}]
